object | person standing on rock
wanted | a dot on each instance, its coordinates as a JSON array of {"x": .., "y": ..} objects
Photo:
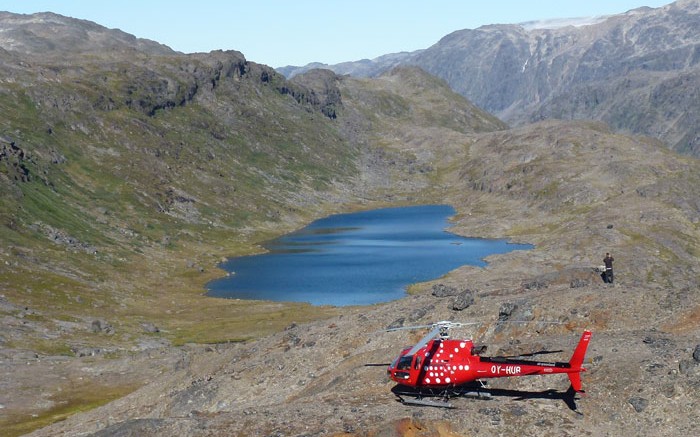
[{"x": 608, "y": 275}]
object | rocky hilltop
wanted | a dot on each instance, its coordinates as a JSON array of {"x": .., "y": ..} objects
[
  {"x": 132, "y": 172},
  {"x": 639, "y": 71},
  {"x": 49, "y": 34}
]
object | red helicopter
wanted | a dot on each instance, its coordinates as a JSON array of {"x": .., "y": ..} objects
[{"x": 440, "y": 366}]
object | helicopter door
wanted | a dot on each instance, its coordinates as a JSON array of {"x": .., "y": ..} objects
[
  {"x": 416, "y": 368},
  {"x": 417, "y": 362}
]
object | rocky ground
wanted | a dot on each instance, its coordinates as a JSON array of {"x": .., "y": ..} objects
[
  {"x": 328, "y": 377},
  {"x": 574, "y": 190},
  {"x": 643, "y": 373}
]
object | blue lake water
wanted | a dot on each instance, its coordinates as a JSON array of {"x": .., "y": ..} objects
[{"x": 356, "y": 259}]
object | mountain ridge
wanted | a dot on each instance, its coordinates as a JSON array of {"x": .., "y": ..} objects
[
  {"x": 46, "y": 32},
  {"x": 633, "y": 71}
]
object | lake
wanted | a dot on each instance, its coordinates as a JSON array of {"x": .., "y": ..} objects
[{"x": 356, "y": 259}]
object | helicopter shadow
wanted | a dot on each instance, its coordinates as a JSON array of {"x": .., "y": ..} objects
[
  {"x": 478, "y": 391},
  {"x": 569, "y": 396}
]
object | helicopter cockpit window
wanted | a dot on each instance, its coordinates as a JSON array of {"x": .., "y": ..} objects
[{"x": 405, "y": 362}]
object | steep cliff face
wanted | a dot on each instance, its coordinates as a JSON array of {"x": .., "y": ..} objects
[
  {"x": 638, "y": 71},
  {"x": 71, "y": 88}
]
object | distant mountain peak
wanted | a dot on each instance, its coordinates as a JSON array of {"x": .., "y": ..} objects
[
  {"x": 638, "y": 71},
  {"x": 556, "y": 23}
]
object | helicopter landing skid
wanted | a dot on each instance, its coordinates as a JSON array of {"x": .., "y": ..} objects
[
  {"x": 426, "y": 402},
  {"x": 440, "y": 398}
]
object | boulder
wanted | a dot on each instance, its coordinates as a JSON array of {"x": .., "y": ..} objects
[
  {"x": 463, "y": 301},
  {"x": 419, "y": 313},
  {"x": 505, "y": 311},
  {"x": 150, "y": 327},
  {"x": 639, "y": 404},
  {"x": 398, "y": 323},
  {"x": 442, "y": 290},
  {"x": 100, "y": 326}
]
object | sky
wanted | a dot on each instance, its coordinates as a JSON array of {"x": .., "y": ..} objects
[{"x": 297, "y": 32}]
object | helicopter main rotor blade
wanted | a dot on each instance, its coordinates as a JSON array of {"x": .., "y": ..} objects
[
  {"x": 408, "y": 328},
  {"x": 423, "y": 341}
]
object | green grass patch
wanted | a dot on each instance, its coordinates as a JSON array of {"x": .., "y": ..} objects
[
  {"x": 227, "y": 320},
  {"x": 70, "y": 401},
  {"x": 49, "y": 347}
]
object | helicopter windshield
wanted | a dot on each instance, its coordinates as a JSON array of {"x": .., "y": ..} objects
[{"x": 404, "y": 362}]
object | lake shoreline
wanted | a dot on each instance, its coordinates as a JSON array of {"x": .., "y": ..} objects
[{"x": 357, "y": 258}]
